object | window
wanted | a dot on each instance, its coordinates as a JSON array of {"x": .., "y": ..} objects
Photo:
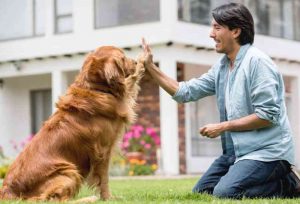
[
  {"x": 288, "y": 95},
  {"x": 296, "y": 20},
  {"x": 21, "y": 18},
  {"x": 63, "y": 16},
  {"x": 273, "y": 17},
  {"x": 41, "y": 101},
  {"x": 204, "y": 112},
  {"x": 278, "y": 18},
  {"x": 197, "y": 11},
  {"x": 124, "y": 12}
]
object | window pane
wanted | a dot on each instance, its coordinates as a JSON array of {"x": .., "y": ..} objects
[
  {"x": 15, "y": 19},
  {"x": 204, "y": 112},
  {"x": 63, "y": 7},
  {"x": 296, "y": 20},
  {"x": 198, "y": 11},
  {"x": 40, "y": 108},
  {"x": 64, "y": 24},
  {"x": 122, "y": 12},
  {"x": 273, "y": 17},
  {"x": 40, "y": 17},
  {"x": 287, "y": 19},
  {"x": 278, "y": 18}
]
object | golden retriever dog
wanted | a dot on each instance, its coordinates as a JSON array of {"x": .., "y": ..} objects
[{"x": 75, "y": 144}]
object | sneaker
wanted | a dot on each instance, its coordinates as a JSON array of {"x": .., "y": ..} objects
[{"x": 295, "y": 175}]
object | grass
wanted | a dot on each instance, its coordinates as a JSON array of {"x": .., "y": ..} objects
[{"x": 163, "y": 191}]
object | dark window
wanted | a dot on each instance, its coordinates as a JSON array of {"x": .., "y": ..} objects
[
  {"x": 123, "y": 12},
  {"x": 41, "y": 101},
  {"x": 278, "y": 18}
]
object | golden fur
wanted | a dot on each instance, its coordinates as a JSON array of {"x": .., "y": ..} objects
[{"x": 75, "y": 143}]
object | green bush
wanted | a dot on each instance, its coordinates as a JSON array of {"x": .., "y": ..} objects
[{"x": 3, "y": 171}]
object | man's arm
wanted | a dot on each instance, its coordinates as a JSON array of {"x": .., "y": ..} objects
[
  {"x": 168, "y": 84},
  {"x": 250, "y": 122}
]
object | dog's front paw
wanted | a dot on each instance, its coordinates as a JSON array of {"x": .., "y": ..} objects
[
  {"x": 105, "y": 196},
  {"x": 91, "y": 199},
  {"x": 140, "y": 68}
]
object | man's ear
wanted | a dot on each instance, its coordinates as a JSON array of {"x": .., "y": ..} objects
[{"x": 236, "y": 32}]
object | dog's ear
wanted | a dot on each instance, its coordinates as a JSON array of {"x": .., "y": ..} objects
[{"x": 105, "y": 72}]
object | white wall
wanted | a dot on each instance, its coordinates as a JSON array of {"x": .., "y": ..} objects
[{"x": 15, "y": 108}]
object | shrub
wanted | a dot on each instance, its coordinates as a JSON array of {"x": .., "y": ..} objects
[
  {"x": 139, "y": 167},
  {"x": 3, "y": 171}
]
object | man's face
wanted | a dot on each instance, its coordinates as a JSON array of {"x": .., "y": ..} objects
[{"x": 223, "y": 37}]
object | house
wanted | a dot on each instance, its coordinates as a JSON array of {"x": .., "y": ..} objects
[{"x": 43, "y": 45}]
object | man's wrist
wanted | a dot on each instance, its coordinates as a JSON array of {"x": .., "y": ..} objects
[{"x": 226, "y": 126}]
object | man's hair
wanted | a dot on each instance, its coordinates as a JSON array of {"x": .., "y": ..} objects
[{"x": 234, "y": 15}]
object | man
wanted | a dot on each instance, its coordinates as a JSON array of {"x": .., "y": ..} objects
[{"x": 256, "y": 137}]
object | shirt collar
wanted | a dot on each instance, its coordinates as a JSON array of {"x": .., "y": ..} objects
[{"x": 240, "y": 55}]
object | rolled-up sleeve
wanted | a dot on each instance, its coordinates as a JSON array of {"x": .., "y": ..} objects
[
  {"x": 266, "y": 87},
  {"x": 196, "y": 88}
]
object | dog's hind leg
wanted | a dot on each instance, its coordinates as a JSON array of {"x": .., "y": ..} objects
[
  {"x": 7, "y": 194},
  {"x": 61, "y": 187}
]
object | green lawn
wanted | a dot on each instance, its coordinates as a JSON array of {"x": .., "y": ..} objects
[{"x": 164, "y": 191}]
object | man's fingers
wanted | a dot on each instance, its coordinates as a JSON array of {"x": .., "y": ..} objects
[
  {"x": 202, "y": 131},
  {"x": 145, "y": 46}
]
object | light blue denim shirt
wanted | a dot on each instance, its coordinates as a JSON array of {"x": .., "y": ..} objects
[{"x": 257, "y": 87}]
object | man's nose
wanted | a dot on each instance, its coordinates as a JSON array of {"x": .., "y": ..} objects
[{"x": 212, "y": 33}]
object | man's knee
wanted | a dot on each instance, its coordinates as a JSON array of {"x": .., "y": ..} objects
[
  {"x": 226, "y": 192},
  {"x": 198, "y": 189}
]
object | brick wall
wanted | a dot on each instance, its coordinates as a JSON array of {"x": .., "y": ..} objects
[
  {"x": 148, "y": 111},
  {"x": 181, "y": 125}
]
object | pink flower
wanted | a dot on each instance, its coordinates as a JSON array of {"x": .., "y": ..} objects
[
  {"x": 142, "y": 142},
  {"x": 125, "y": 144},
  {"x": 137, "y": 136},
  {"x": 128, "y": 135},
  {"x": 157, "y": 141},
  {"x": 147, "y": 146},
  {"x": 137, "y": 131},
  {"x": 152, "y": 133}
]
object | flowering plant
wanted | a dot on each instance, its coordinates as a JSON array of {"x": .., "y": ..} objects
[
  {"x": 140, "y": 139},
  {"x": 1, "y": 153},
  {"x": 140, "y": 167}
]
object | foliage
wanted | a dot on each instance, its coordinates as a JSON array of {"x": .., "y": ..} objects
[
  {"x": 118, "y": 165},
  {"x": 5, "y": 161},
  {"x": 140, "y": 139},
  {"x": 140, "y": 167},
  {"x": 3, "y": 171},
  {"x": 144, "y": 141}
]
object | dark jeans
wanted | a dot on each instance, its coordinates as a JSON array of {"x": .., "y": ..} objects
[{"x": 246, "y": 178}]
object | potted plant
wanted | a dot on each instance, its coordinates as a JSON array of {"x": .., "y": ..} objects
[{"x": 139, "y": 146}]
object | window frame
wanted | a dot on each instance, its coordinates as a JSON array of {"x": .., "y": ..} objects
[
  {"x": 57, "y": 17},
  {"x": 33, "y": 33},
  {"x": 119, "y": 25}
]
